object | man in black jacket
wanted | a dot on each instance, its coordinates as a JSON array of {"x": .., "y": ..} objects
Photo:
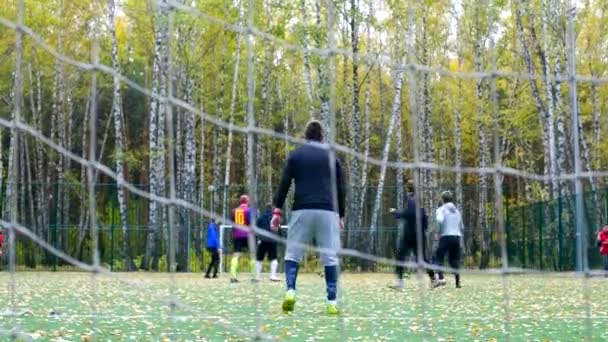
[
  {"x": 409, "y": 236},
  {"x": 266, "y": 246},
  {"x": 318, "y": 182}
]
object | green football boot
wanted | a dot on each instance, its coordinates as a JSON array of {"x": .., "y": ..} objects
[
  {"x": 290, "y": 301},
  {"x": 332, "y": 310}
]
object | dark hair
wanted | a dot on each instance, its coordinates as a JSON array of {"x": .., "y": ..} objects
[
  {"x": 268, "y": 206},
  {"x": 409, "y": 186},
  {"x": 447, "y": 197},
  {"x": 314, "y": 131}
]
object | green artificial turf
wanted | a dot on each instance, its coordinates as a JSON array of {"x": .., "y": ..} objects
[{"x": 136, "y": 307}]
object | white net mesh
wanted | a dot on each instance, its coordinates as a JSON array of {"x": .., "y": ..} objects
[{"x": 447, "y": 49}]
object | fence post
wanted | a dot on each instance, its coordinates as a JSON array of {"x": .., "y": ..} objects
[
  {"x": 112, "y": 245},
  {"x": 560, "y": 234},
  {"x": 54, "y": 232},
  {"x": 541, "y": 210},
  {"x": 606, "y": 199},
  {"x": 523, "y": 241},
  {"x": 507, "y": 227}
]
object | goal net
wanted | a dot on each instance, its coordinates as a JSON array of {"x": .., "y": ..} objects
[{"x": 126, "y": 126}]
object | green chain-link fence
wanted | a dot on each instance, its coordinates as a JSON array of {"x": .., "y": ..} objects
[{"x": 539, "y": 235}]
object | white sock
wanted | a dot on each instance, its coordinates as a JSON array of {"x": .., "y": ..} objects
[
  {"x": 332, "y": 302},
  {"x": 400, "y": 282},
  {"x": 274, "y": 264},
  {"x": 258, "y": 268}
]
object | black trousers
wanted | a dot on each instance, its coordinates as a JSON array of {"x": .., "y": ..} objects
[
  {"x": 450, "y": 246},
  {"x": 215, "y": 261},
  {"x": 266, "y": 248},
  {"x": 408, "y": 245}
]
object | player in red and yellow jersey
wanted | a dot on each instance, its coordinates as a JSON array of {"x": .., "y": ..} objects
[{"x": 241, "y": 216}]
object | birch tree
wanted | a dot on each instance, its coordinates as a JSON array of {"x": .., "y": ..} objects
[
  {"x": 355, "y": 119},
  {"x": 425, "y": 130},
  {"x": 156, "y": 141},
  {"x": 307, "y": 70},
  {"x": 235, "y": 81},
  {"x": 367, "y": 123},
  {"x": 324, "y": 85},
  {"x": 118, "y": 139},
  {"x": 395, "y": 116}
]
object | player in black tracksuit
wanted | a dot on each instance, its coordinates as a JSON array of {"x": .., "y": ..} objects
[
  {"x": 266, "y": 245},
  {"x": 408, "y": 242}
]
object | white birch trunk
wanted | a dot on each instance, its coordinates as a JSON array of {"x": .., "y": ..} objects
[
  {"x": 263, "y": 144},
  {"x": 395, "y": 115},
  {"x": 533, "y": 85},
  {"x": 83, "y": 222},
  {"x": 216, "y": 136},
  {"x": 562, "y": 137},
  {"x": 355, "y": 120},
  {"x": 189, "y": 169},
  {"x": 367, "y": 126},
  {"x": 596, "y": 117},
  {"x": 307, "y": 71},
  {"x": 34, "y": 221},
  {"x": 155, "y": 144},
  {"x": 399, "y": 149},
  {"x": 549, "y": 113},
  {"x": 323, "y": 89},
  {"x": 458, "y": 138},
  {"x": 426, "y": 129},
  {"x": 118, "y": 140},
  {"x": 41, "y": 194},
  {"x": 235, "y": 81},
  {"x": 59, "y": 167}
]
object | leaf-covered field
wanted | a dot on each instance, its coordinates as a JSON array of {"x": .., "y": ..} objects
[{"x": 58, "y": 307}]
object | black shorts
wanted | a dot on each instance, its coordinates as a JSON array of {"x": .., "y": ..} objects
[
  {"x": 241, "y": 245},
  {"x": 266, "y": 248}
]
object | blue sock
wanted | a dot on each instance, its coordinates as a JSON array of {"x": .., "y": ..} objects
[
  {"x": 331, "y": 280},
  {"x": 291, "y": 273}
]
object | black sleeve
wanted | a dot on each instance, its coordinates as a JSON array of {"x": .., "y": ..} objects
[
  {"x": 259, "y": 221},
  {"x": 279, "y": 199},
  {"x": 408, "y": 213},
  {"x": 340, "y": 186}
]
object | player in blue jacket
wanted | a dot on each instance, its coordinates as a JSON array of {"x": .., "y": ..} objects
[{"x": 214, "y": 247}]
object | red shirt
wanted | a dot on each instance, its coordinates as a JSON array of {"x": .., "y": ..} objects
[
  {"x": 1, "y": 238},
  {"x": 602, "y": 238}
]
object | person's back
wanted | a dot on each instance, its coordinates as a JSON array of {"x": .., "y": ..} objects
[
  {"x": 212, "y": 240},
  {"x": 241, "y": 216},
  {"x": 213, "y": 245},
  {"x": 409, "y": 215},
  {"x": 314, "y": 215},
  {"x": 263, "y": 222},
  {"x": 408, "y": 241},
  {"x": 449, "y": 220},
  {"x": 450, "y": 230},
  {"x": 309, "y": 167}
]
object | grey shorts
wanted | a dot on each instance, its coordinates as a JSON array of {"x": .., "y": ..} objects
[{"x": 322, "y": 225}]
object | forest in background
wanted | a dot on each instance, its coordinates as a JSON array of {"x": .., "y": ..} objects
[{"x": 200, "y": 53}]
